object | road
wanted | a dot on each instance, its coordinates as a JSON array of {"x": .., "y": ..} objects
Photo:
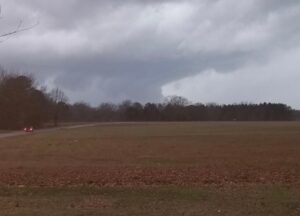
[{"x": 22, "y": 133}]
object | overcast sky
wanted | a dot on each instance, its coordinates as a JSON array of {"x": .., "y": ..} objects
[{"x": 222, "y": 51}]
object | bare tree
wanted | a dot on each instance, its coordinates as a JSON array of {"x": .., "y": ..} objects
[
  {"x": 58, "y": 96},
  {"x": 19, "y": 28},
  {"x": 176, "y": 101},
  {"x": 59, "y": 100}
]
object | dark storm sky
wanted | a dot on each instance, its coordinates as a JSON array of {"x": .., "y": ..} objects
[{"x": 221, "y": 51}]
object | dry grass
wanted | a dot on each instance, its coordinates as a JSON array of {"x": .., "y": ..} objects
[{"x": 258, "y": 201}]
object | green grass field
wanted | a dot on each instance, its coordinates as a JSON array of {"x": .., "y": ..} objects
[{"x": 153, "y": 169}]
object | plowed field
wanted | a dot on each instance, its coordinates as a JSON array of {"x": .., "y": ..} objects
[
  {"x": 229, "y": 168},
  {"x": 155, "y": 154}
]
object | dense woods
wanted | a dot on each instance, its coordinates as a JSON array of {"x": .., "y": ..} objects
[
  {"x": 174, "y": 110},
  {"x": 22, "y": 103}
]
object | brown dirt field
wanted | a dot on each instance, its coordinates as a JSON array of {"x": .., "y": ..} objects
[{"x": 228, "y": 153}]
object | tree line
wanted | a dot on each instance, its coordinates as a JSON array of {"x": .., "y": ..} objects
[
  {"x": 178, "y": 109},
  {"x": 22, "y": 103}
]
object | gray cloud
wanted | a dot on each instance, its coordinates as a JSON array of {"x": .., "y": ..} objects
[{"x": 103, "y": 50}]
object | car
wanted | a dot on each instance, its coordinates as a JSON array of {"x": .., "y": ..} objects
[{"x": 28, "y": 129}]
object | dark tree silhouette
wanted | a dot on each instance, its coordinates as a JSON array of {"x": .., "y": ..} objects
[
  {"x": 59, "y": 101},
  {"x": 21, "y": 103},
  {"x": 82, "y": 112},
  {"x": 107, "y": 112}
]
